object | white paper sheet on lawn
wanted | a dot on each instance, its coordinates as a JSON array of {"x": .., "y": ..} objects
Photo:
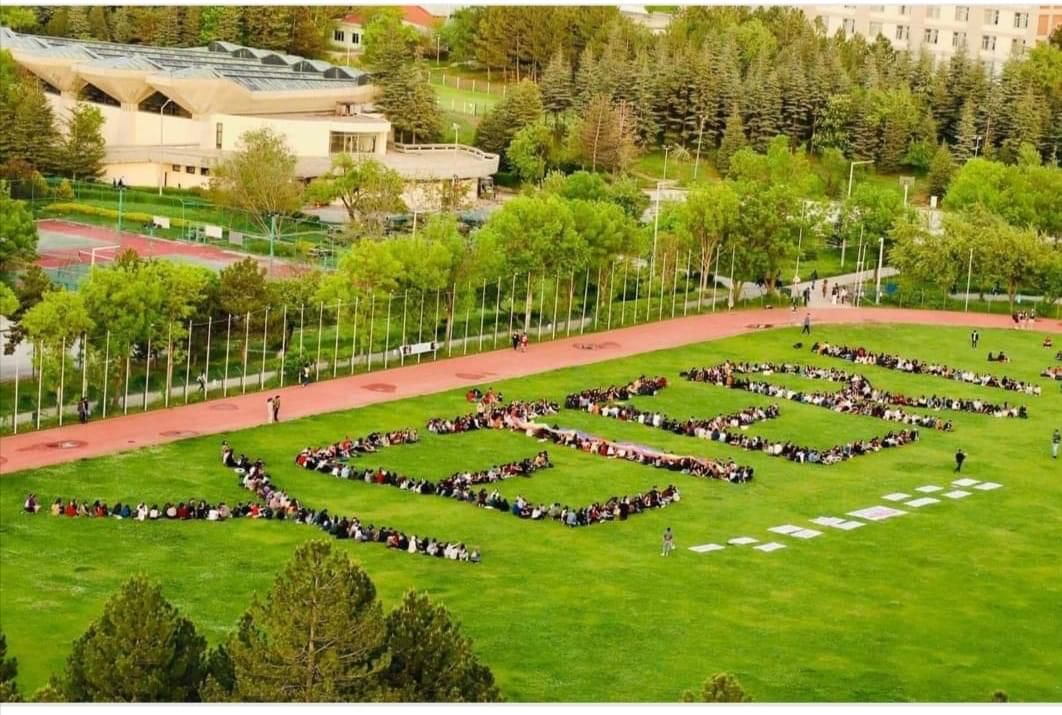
[
  {"x": 877, "y": 513},
  {"x": 896, "y": 496},
  {"x": 743, "y": 540},
  {"x": 956, "y": 494},
  {"x": 806, "y": 534},
  {"x": 924, "y": 501},
  {"x": 929, "y": 489},
  {"x": 849, "y": 525},
  {"x": 988, "y": 486},
  {"x": 828, "y": 521},
  {"x": 784, "y": 529},
  {"x": 705, "y": 548},
  {"x": 769, "y": 546},
  {"x": 965, "y": 482}
]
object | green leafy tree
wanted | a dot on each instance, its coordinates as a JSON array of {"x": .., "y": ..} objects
[
  {"x": 368, "y": 267},
  {"x": 606, "y": 230},
  {"x": 140, "y": 650},
  {"x": 77, "y": 23},
  {"x": 8, "y": 301},
  {"x": 941, "y": 170},
  {"x": 8, "y": 668},
  {"x": 720, "y": 688},
  {"x": 221, "y": 22},
  {"x": 521, "y": 107},
  {"x": 367, "y": 189},
  {"x": 703, "y": 221},
  {"x": 97, "y": 21},
  {"x": 531, "y": 152},
  {"x": 733, "y": 140},
  {"x": 871, "y": 212},
  {"x": 389, "y": 43},
  {"x": 258, "y": 178},
  {"x": 84, "y": 146},
  {"x": 431, "y": 660},
  {"x": 604, "y": 137},
  {"x": 18, "y": 18},
  {"x": 19, "y": 231},
  {"x": 30, "y": 289},
  {"x": 268, "y": 26},
  {"x": 925, "y": 259},
  {"x": 319, "y": 636}
]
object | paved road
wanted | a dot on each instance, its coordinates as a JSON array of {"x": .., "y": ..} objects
[{"x": 68, "y": 443}]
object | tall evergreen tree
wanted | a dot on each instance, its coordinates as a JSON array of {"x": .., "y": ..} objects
[
  {"x": 140, "y": 650},
  {"x": 763, "y": 119},
  {"x": 646, "y": 129},
  {"x": 521, "y": 107},
  {"x": 168, "y": 30},
  {"x": 967, "y": 143},
  {"x": 191, "y": 26},
  {"x": 121, "y": 29},
  {"x": 862, "y": 130},
  {"x": 586, "y": 79},
  {"x": 604, "y": 137},
  {"x": 77, "y": 23},
  {"x": 733, "y": 140},
  {"x": 431, "y": 660},
  {"x": 1027, "y": 127},
  {"x": 97, "y": 22},
  {"x": 408, "y": 100},
  {"x": 84, "y": 147},
  {"x": 268, "y": 26},
  {"x": 941, "y": 170},
  {"x": 320, "y": 635},
  {"x": 28, "y": 131},
  {"x": 557, "y": 85}
]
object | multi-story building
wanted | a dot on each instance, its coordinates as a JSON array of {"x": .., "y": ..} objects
[
  {"x": 1050, "y": 17},
  {"x": 991, "y": 33},
  {"x": 171, "y": 113},
  {"x": 348, "y": 31}
]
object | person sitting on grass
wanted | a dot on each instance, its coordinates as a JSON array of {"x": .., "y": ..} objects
[
  {"x": 31, "y": 505},
  {"x": 57, "y": 507},
  {"x": 1047, "y": 343}
]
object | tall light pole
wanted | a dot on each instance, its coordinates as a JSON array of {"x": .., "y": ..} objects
[
  {"x": 977, "y": 143},
  {"x": 667, "y": 148},
  {"x": 851, "y": 173},
  {"x": 162, "y": 164},
  {"x": 656, "y": 226},
  {"x": 881, "y": 260},
  {"x": 456, "y": 129}
]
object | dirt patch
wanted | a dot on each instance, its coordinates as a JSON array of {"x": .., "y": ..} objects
[
  {"x": 225, "y": 407},
  {"x": 178, "y": 433},
  {"x": 380, "y": 387},
  {"x": 471, "y": 375},
  {"x": 62, "y": 444},
  {"x": 596, "y": 346}
]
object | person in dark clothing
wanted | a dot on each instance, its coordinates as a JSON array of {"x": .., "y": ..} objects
[
  {"x": 960, "y": 457},
  {"x": 806, "y": 330},
  {"x": 83, "y": 410},
  {"x": 276, "y": 408}
]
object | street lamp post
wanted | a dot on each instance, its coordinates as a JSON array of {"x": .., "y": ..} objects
[
  {"x": 667, "y": 148},
  {"x": 851, "y": 173},
  {"x": 162, "y": 164},
  {"x": 456, "y": 129},
  {"x": 977, "y": 143},
  {"x": 656, "y": 224}
]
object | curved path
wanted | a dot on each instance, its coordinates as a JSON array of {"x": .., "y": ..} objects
[{"x": 54, "y": 446}]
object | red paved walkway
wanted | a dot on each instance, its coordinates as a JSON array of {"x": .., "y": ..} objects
[{"x": 63, "y": 444}]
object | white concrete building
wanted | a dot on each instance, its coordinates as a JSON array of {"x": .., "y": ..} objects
[
  {"x": 347, "y": 34},
  {"x": 171, "y": 113},
  {"x": 991, "y": 33}
]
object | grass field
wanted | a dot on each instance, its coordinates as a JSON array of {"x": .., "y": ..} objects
[{"x": 947, "y": 603}]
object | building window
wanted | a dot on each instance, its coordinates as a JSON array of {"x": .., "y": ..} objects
[
  {"x": 991, "y": 16},
  {"x": 218, "y": 129},
  {"x": 203, "y": 171},
  {"x": 875, "y": 29},
  {"x": 176, "y": 167},
  {"x": 930, "y": 36},
  {"x": 962, "y": 13},
  {"x": 355, "y": 38},
  {"x": 189, "y": 169},
  {"x": 988, "y": 42},
  {"x": 1017, "y": 46},
  {"x": 349, "y": 143},
  {"x": 905, "y": 9},
  {"x": 1021, "y": 20},
  {"x": 958, "y": 39},
  {"x": 849, "y": 26},
  {"x": 933, "y": 11},
  {"x": 903, "y": 32},
  {"x": 339, "y": 35}
]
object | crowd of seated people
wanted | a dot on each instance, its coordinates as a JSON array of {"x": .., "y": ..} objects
[
  {"x": 511, "y": 416},
  {"x": 862, "y": 356},
  {"x": 727, "y": 429},
  {"x": 643, "y": 386},
  {"x": 857, "y": 396},
  {"x": 192, "y": 509},
  {"x": 323, "y": 458},
  {"x": 614, "y": 508}
]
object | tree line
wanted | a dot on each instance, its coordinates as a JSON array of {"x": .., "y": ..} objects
[{"x": 320, "y": 635}]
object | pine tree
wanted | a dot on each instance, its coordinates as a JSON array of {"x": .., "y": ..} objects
[
  {"x": 191, "y": 25},
  {"x": 940, "y": 171},
  {"x": 522, "y": 106},
  {"x": 604, "y": 138},
  {"x": 431, "y": 660},
  {"x": 140, "y": 650},
  {"x": 733, "y": 140},
  {"x": 320, "y": 635},
  {"x": 8, "y": 672},
  {"x": 586, "y": 79},
  {"x": 646, "y": 129},
  {"x": 308, "y": 37},
  {"x": 730, "y": 90},
  {"x": 121, "y": 29},
  {"x": 763, "y": 120},
  {"x": 168, "y": 29},
  {"x": 97, "y": 22},
  {"x": 268, "y": 26},
  {"x": 84, "y": 147},
  {"x": 77, "y": 23},
  {"x": 229, "y": 27},
  {"x": 967, "y": 144},
  {"x": 1027, "y": 127},
  {"x": 59, "y": 22},
  {"x": 408, "y": 100},
  {"x": 557, "y": 86},
  {"x": 796, "y": 100},
  {"x": 28, "y": 131},
  {"x": 862, "y": 130}
]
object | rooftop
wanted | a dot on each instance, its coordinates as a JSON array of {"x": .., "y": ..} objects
[
  {"x": 411, "y": 14},
  {"x": 252, "y": 68}
]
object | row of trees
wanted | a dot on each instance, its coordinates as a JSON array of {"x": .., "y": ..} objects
[
  {"x": 295, "y": 30},
  {"x": 320, "y": 635},
  {"x": 34, "y": 142}
]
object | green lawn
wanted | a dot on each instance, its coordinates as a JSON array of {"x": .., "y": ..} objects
[{"x": 947, "y": 603}]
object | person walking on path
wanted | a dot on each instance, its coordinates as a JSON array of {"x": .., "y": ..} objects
[
  {"x": 523, "y": 342},
  {"x": 202, "y": 380},
  {"x": 1056, "y": 440},
  {"x": 669, "y": 543},
  {"x": 960, "y": 457},
  {"x": 276, "y": 408},
  {"x": 82, "y": 410},
  {"x": 269, "y": 410},
  {"x": 806, "y": 330},
  {"x": 824, "y": 284}
]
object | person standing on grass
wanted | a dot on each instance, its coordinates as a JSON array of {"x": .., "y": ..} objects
[
  {"x": 1056, "y": 440},
  {"x": 960, "y": 457},
  {"x": 806, "y": 330},
  {"x": 975, "y": 338},
  {"x": 669, "y": 542},
  {"x": 276, "y": 408}
]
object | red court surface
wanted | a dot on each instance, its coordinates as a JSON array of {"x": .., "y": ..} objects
[
  {"x": 64, "y": 444},
  {"x": 84, "y": 236}
]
